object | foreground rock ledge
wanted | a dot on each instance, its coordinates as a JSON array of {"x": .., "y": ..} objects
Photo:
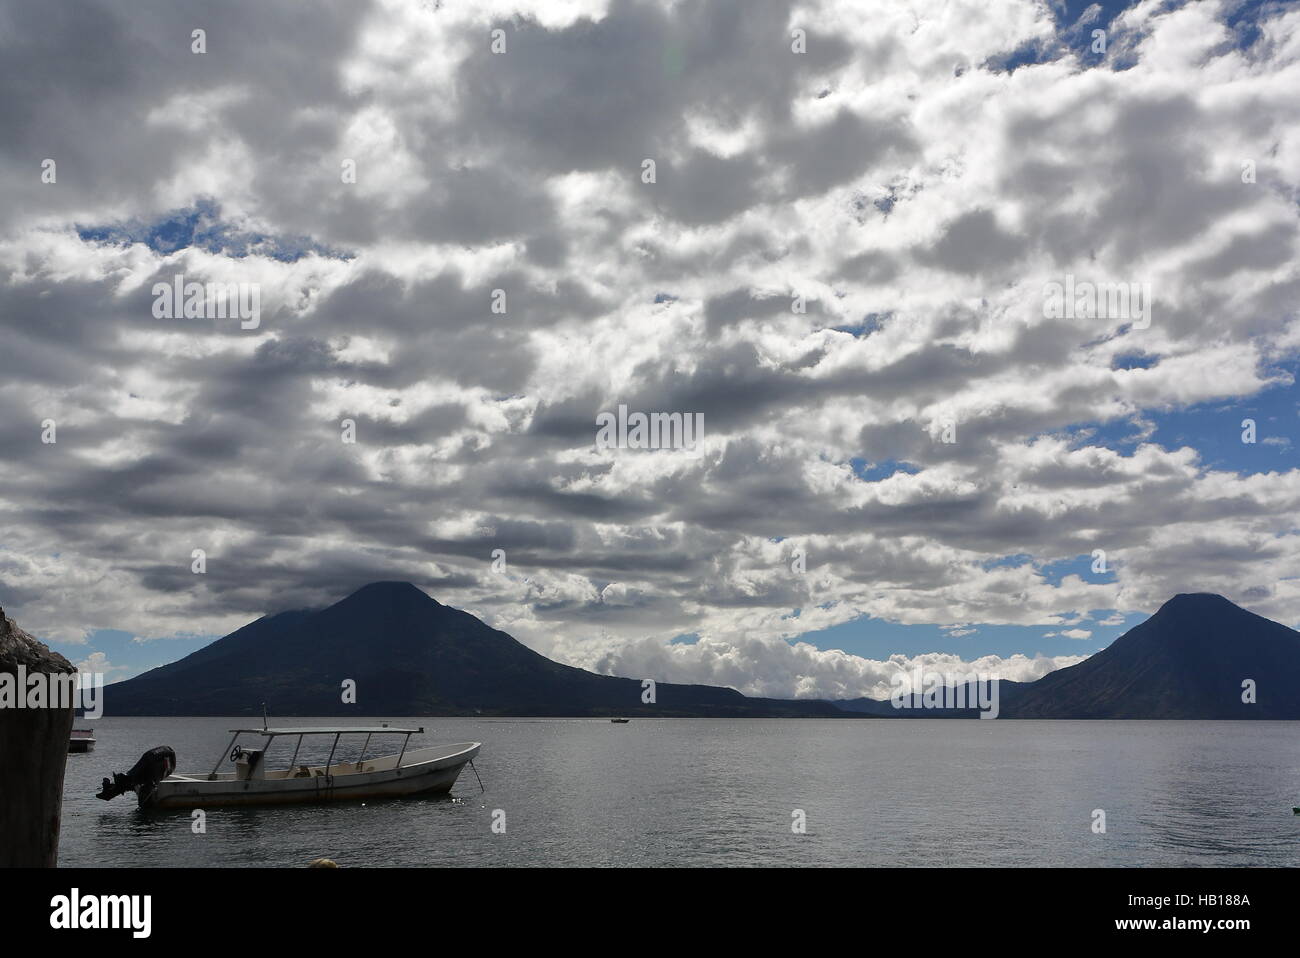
[{"x": 33, "y": 755}]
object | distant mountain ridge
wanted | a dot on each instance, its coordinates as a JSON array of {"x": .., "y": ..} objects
[
  {"x": 913, "y": 708},
  {"x": 408, "y": 655},
  {"x": 411, "y": 655}
]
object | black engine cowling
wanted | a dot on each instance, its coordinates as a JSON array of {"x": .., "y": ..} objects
[{"x": 154, "y": 765}]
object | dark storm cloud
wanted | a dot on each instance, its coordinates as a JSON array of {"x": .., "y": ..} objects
[
  {"x": 974, "y": 243},
  {"x": 78, "y": 74},
  {"x": 612, "y": 92},
  {"x": 732, "y": 308}
]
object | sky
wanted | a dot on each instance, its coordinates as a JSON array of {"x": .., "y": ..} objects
[{"x": 850, "y": 260}]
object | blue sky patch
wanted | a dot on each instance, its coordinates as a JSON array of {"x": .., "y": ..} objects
[
  {"x": 201, "y": 227},
  {"x": 127, "y": 657},
  {"x": 877, "y": 639},
  {"x": 1215, "y": 430},
  {"x": 869, "y": 471}
]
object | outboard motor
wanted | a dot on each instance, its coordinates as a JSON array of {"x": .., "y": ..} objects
[{"x": 154, "y": 765}]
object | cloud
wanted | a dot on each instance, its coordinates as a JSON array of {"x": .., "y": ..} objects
[
  {"x": 842, "y": 260},
  {"x": 791, "y": 670},
  {"x": 98, "y": 663},
  {"x": 1071, "y": 633}
]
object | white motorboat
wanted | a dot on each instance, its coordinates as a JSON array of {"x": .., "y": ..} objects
[{"x": 430, "y": 770}]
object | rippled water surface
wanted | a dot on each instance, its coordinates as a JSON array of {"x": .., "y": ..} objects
[{"x": 723, "y": 792}]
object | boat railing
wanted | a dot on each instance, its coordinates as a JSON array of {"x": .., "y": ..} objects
[{"x": 272, "y": 734}]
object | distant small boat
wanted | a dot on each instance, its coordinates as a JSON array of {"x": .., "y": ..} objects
[
  {"x": 620, "y": 721},
  {"x": 82, "y": 740}
]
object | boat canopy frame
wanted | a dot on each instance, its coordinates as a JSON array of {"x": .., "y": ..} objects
[{"x": 271, "y": 734}]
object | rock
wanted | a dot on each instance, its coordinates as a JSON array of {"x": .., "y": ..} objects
[{"x": 33, "y": 753}]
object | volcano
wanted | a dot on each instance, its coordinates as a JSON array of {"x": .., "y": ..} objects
[
  {"x": 407, "y": 654},
  {"x": 1196, "y": 658}
]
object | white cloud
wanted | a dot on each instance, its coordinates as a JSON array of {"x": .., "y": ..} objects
[{"x": 916, "y": 196}]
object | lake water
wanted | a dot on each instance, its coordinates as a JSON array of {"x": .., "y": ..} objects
[{"x": 685, "y": 792}]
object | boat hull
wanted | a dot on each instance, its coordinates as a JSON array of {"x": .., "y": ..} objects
[{"x": 435, "y": 776}]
